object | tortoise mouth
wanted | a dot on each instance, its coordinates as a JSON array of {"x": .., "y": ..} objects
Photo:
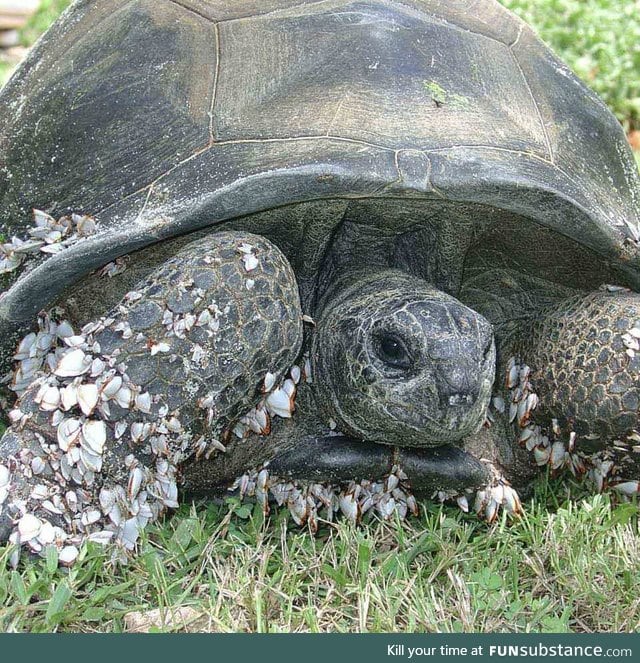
[{"x": 340, "y": 459}]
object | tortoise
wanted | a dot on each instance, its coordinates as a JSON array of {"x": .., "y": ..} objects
[{"x": 407, "y": 220}]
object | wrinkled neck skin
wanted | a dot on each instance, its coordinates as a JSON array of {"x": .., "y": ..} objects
[{"x": 399, "y": 362}]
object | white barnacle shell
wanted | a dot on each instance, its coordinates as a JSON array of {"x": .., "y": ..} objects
[
  {"x": 160, "y": 347},
  {"x": 498, "y": 404},
  {"x": 48, "y": 397},
  {"x": 198, "y": 354},
  {"x": 627, "y": 487},
  {"x": 25, "y": 348},
  {"x": 174, "y": 425},
  {"x": 159, "y": 445},
  {"x": 110, "y": 386},
  {"x": 107, "y": 499},
  {"x": 349, "y": 507},
  {"x": 120, "y": 428},
  {"x": 512, "y": 374},
  {"x": 412, "y": 504},
  {"x": 73, "y": 363},
  {"x": 463, "y": 503},
  {"x": 90, "y": 516},
  {"x": 47, "y": 533},
  {"x": 124, "y": 397},
  {"x": 491, "y": 510},
  {"x": 297, "y": 507},
  {"x": 391, "y": 483},
  {"x": 189, "y": 321},
  {"x": 64, "y": 329},
  {"x": 262, "y": 479},
  {"x": 143, "y": 402},
  {"x": 542, "y": 455},
  {"x": 269, "y": 382},
  {"x": 130, "y": 461},
  {"x": 85, "y": 224},
  {"x": 68, "y": 433},
  {"x": 635, "y": 331},
  {"x": 204, "y": 318},
  {"x": 94, "y": 436},
  {"x": 17, "y": 416},
  {"x": 68, "y": 555},
  {"x": 240, "y": 429},
  {"x": 38, "y": 465},
  {"x": 206, "y": 401},
  {"x": 14, "y": 538},
  {"x": 140, "y": 431},
  {"x": 71, "y": 498},
  {"x": 97, "y": 367},
  {"x": 75, "y": 341},
  {"x": 87, "y": 395},
  {"x": 279, "y": 403},
  {"x": 497, "y": 493},
  {"x": 52, "y": 248},
  {"x": 630, "y": 341},
  {"x": 103, "y": 537},
  {"x": 512, "y": 500},
  {"x": 92, "y": 462},
  {"x": 69, "y": 396},
  {"x": 5, "y": 476},
  {"x": 558, "y": 454},
  {"x": 170, "y": 494},
  {"x": 289, "y": 387},
  {"x": 29, "y": 527},
  {"x": 44, "y": 341},
  {"x": 250, "y": 261},
  {"x": 42, "y": 219},
  {"x": 217, "y": 445},
  {"x": 73, "y": 455},
  {"x": 307, "y": 370},
  {"x": 295, "y": 373},
  {"x": 53, "y": 508},
  {"x": 527, "y": 433},
  {"x": 262, "y": 421},
  {"x": 401, "y": 509},
  {"x": 8, "y": 259},
  {"x": 480, "y": 501},
  {"x": 130, "y": 533}
]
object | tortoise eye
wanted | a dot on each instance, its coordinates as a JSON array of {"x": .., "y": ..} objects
[{"x": 392, "y": 350}]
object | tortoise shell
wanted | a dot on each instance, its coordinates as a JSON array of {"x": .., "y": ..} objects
[{"x": 445, "y": 132}]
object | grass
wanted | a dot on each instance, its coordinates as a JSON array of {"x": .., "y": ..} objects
[
  {"x": 47, "y": 13},
  {"x": 571, "y": 564}
]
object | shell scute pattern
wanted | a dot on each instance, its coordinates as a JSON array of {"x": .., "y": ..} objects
[
  {"x": 113, "y": 437},
  {"x": 597, "y": 382}
]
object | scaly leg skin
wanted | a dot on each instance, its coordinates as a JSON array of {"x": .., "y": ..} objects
[
  {"x": 573, "y": 385},
  {"x": 98, "y": 438}
]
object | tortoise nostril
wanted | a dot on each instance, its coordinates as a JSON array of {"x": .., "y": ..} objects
[{"x": 460, "y": 399}]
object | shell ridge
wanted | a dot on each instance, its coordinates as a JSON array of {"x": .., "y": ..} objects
[
  {"x": 192, "y": 10},
  {"x": 534, "y": 101}
]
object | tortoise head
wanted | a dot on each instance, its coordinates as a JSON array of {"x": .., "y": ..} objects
[{"x": 399, "y": 362}]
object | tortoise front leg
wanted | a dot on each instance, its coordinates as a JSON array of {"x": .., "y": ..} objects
[
  {"x": 573, "y": 384},
  {"x": 99, "y": 437}
]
